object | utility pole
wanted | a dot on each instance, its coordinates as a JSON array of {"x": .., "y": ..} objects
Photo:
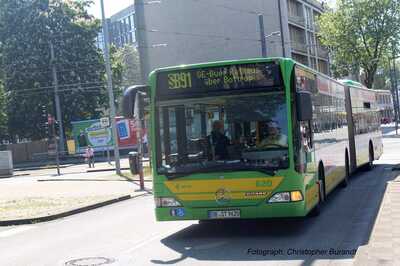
[
  {"x": 281, "y": 28},
  {"x": 139, "y": 124},
  {"x": 262, "y": 36},
  {"x": 396, "y": 90},
  {"x": 57, "y": 97},
  {"x": 53, "y": 128},
  {"x": 395, "y": 99},
  {"x": 110, "y": 89}
]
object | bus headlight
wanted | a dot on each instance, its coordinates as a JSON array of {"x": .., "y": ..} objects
[
  {"x": 286, "y": 197},
  {"x": 166, "y": 202},
  {"x": 280, "y": 197}
]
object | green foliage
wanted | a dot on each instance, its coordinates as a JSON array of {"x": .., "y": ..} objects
[
  {"x": 359, "y": 33},
  {"x": 128, "y": 57},
  {"x": 27, "y": 27},
  {"x": 126, "y": 69},
  {"x": 117, "y": 69},
  {"x": 383, "y": 79}
]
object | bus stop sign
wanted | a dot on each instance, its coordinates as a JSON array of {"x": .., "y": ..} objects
[{"x": 104, "y": 122}]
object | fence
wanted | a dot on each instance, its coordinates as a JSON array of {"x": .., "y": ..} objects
[{"x": 29, "y": 151}]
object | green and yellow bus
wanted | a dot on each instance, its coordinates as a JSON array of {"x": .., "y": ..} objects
[{"x": 255, "y": 138}]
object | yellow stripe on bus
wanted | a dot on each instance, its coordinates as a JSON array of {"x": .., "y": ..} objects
[
  {"x": 334, "y": 177},
  {"x": 312, "y": 196},
  {"x": 211, "y": 186},
  {"x": 232, "y": 196}
]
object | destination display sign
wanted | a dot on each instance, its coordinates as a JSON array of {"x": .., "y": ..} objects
[{"x": 216, "y": 79}]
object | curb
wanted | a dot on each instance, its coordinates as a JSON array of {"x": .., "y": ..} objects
[
  {"x": 14, "y": 175},
  {"x": 105, "y": 170},
  {"x": 33, "y": 168},
  {"x": 67, "y": 213}
]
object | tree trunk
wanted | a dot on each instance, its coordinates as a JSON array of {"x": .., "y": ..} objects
[{"x": 370, "y": 76}]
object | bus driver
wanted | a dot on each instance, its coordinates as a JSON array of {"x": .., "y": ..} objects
[{"x": 271, "y": 136}]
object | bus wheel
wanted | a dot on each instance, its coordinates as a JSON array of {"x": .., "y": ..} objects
[
  {"x": 370, "y": 164},
  {"x": 322, "y": 191},
  {"x": 317, "y": 209},
  {"x": 345, "y": 181},
  {"x": 321, "y": 183}
]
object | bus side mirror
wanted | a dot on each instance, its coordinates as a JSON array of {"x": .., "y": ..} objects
[
  {"x": 129, "y": 98},
  {"x": 304, "y": 106}
]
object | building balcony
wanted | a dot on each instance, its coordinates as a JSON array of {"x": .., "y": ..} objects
[
  {"x": 299, "y": 47},
  {"x": 296, "y": 20}
]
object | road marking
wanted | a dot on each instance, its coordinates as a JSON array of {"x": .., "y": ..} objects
[{"x": 16, "y": 230}]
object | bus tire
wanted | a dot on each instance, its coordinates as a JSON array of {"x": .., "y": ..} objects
[
  {"x": 321, "y": 179},
  {"x": 316, "y": 211},
  {"x": 370, "y": 163},
  {"x": 345, "y": 181},
  {"x": 321, "y": 190}
]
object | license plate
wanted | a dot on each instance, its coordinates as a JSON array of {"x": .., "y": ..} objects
[{"x": 224, "y": 214}]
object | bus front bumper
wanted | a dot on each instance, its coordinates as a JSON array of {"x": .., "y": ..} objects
[{"x": 267, "y": 210}]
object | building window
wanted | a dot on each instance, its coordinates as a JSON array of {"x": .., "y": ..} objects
[
  {"x": 298, "y": 39},
  {"x": 300, "y": 58},
  {"x": 323, "y": 66},
  {"x": 295, "y": 8}
]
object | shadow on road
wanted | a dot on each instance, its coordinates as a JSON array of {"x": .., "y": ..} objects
[{"x": 344, "y": 225}]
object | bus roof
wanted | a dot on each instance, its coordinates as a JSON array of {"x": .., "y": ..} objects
[
  {"x": 254, "y": 60},
  {"x": 388, "y": 92}
]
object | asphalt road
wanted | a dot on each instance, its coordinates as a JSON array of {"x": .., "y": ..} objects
[{"x": 127, "y": 234}]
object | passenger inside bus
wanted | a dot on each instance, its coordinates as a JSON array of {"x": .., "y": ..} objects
[{"x": 218, "y": 141}]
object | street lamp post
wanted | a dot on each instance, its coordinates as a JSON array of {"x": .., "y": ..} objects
[
  {"x": 263, "y": 37},
  {"x": 395, "y": 89},
  {"x": 110, "y": 90},
  {"x": 396, "y": 94}
]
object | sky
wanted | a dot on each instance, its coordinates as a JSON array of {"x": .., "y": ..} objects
[
  {"x": 113, "y": 6},
  {"x": 110, "y": 7},
  {"x": 331, "y": 2}
]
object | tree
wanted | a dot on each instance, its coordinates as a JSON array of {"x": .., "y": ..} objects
[
  {"x": 128, "y": 56},
  {"x": 359, "y": 33},
  {"x": 27, "y": 30},
  {"x": 126, "y": 69},
  {"x": 383, "y": 76}
]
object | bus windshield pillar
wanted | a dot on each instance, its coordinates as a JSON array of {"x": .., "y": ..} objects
[
  {"x": 166, "y": 133},
  {"x": 181, "y": 137}
]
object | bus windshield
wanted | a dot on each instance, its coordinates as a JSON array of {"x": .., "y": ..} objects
[{"x": 226, "y": 133}]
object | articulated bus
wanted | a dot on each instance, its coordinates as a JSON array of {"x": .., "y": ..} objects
[
  {"x": 365, "y": 132},
  {"x": 255, "y": 138},
  {"x": 384, "y": 99}
]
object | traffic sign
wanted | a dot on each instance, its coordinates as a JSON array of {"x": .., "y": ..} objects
[{"x": 104, "y": 122}]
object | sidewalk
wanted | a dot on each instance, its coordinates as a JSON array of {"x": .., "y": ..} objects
[
  {"x": 384, "y": 244},
  {"x": 383, "y": 247},
  {"x": 45, "y": 195},
  {"x": 72, "y": 168}
]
